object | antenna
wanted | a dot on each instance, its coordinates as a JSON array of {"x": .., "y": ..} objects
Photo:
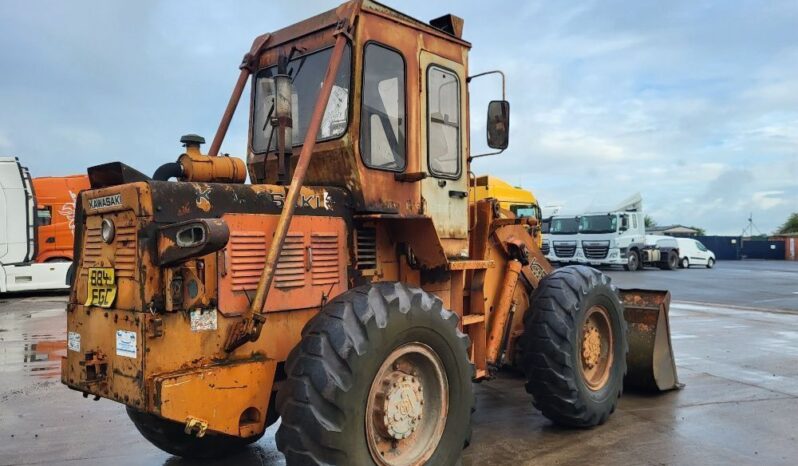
[{"x": 750, "y": 227}]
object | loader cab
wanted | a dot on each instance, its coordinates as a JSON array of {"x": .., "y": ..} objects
[{"x": 395, "y": 129}]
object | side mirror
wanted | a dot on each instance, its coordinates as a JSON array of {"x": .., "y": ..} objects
[{"x": 498, "y": 127}]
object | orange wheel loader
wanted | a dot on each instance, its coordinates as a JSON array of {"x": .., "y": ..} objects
[{"x": 351, "y": 289}]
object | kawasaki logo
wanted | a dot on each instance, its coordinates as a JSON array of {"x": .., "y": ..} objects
[{"x": 105, "y": 201}]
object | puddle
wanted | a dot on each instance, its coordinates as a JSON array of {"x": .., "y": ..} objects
[{"x": 32, "y": 343}]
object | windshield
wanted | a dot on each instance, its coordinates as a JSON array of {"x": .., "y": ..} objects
[
  {"x": 525, "y": 210},
  {"x": 564, "y": 226},
  {"x": 598, "y": 224},
  {"x": 307, "y": 73}
]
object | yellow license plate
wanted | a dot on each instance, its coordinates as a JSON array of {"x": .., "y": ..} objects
[{"x": 102, "y": 287}]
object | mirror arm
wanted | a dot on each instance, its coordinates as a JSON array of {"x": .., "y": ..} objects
[
  {"x": 499, "y": 72},
  {"x": 504, "y": 97},
  {"x": 472, "y": 157}
]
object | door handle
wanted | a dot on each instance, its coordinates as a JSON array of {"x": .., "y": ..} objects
[{"x": 458, "y": 194}]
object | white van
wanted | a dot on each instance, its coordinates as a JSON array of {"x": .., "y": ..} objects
[{"x": 692, "y": 252}]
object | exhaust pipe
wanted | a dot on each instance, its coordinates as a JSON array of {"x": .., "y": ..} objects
[{"x": 168, "y": 170}]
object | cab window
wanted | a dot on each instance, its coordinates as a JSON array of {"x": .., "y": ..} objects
[
  {"x": 525, "y": 210},
  {"x": 382, "y": 117},
  {"x": 44, "y": 216},
  {"x": 307, "y": 73},
  {"x": 443, "y": 122},
  {"x": 700, "y": 246}
]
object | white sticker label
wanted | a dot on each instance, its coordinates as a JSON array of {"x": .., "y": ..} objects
[
  {"x": 203, "y": 320},
  {"x": 73, "y": 341},
  {"x": 126, "y": 344},
  {"x": 105, "y": 201}
]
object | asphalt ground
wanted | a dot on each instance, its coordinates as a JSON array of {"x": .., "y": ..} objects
[{"x": 735, "y": 336}]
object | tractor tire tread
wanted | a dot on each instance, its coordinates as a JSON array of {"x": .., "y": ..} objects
[
  {"x": 320, "y": 368},
  {"x": 549, "y": 352}
]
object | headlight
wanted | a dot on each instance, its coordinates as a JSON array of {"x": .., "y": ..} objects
[{"x": 108, "y": 230}]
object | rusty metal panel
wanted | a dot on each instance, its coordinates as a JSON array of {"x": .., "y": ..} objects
[
  {"x": 219, "y": 395},
  {"x": 96, "y": 367},
  {"x": 312, "y": 263}
]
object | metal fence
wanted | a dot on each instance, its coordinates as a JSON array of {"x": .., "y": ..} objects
[{"x": 736, "y": 248}]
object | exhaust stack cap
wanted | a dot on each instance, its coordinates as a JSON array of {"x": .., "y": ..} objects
[{"x": 190, "y": 140}]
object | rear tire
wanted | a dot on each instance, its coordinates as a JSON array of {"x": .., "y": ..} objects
[
  {"x": 685, "y": 263},
  {"x": 633, "y": 261},
  {"x": 170, "y": 437},
  {"x": 575, "y": 378},
  {"x": 342, "y": 376},
  {"x": 672, "y": 262}
]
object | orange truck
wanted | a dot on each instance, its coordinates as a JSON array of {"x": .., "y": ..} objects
[{"x": 55, "y": 215}]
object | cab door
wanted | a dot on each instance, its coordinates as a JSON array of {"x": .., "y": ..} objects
[{"x": 444, "y": 145}]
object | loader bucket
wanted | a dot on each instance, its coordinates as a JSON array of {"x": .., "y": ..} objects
[{"x": 650, "y": 363}]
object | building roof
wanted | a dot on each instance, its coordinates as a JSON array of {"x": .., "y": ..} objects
[{"x": 671, "y": 229}]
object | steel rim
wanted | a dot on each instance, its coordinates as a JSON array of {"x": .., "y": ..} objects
[
  {"x": 595, "y": 349},
  {"x": 407, "y": 406}
]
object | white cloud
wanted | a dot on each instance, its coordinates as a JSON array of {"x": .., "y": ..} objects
[{"x": 768, "y": 199}]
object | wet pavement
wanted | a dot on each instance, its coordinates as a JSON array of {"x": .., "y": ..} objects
[{"x": 736, "y": 352}]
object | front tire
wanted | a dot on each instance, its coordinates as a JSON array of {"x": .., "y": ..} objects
[
  {"x": 575, "y": 347},
  {"x": 381, "y": 376},
  {"x": 633, "y": 261},
  {"x": 710, "y": 263},
  {"x": 170, "y": 437}
]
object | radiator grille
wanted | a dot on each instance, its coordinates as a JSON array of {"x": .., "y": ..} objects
[
  {"x": 290, "y": 270},
  {"x": 595, "y": 252},
  {"x": 544, "y": 248},
  {"x": 324, "y": 247},
  {"x": 366, "y": 248},
  {"x": 123, "y": 249},
  {"x": 564, "y": 250},
  {"x": 595, "y": 249},
  {"x": 247, "y": 257}
]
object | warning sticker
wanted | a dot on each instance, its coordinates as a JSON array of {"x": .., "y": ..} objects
[
  {"x": 203, "y": 320},
  {"x": 73, "y": 341},
  {"x": 126, "y": 344}
]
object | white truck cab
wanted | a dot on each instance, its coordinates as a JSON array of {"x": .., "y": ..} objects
[
  {"x": 18, "y": 271},
  {"x": 611, "y": 238},
  {"x": 562, "y": 239}
]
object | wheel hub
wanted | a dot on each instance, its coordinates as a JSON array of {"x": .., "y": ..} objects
[
  {"x": 399, "y": 405},
  {"x": 596, "y": 348},
  {"x": 591, "y": 346},
  {"x": 407, "y": 406}
]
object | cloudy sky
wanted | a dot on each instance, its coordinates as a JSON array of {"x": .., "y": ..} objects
[{"x": 692, "y": 103}]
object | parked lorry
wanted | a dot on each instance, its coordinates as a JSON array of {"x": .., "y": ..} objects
[
  {"x": 564, "y": 238},
  {"x": 55, "y": 215},
  {"x": 18, "y": 245},
  {"x": 519, "y": 201},
  {"x": 351, "y": 289},
  {"x": 618, "y": 237}
]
